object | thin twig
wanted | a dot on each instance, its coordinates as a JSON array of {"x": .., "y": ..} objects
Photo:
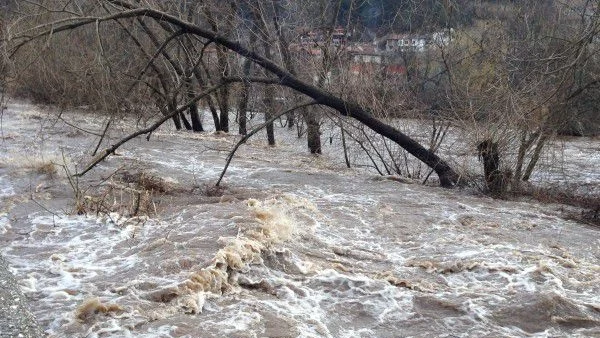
[
  {"x": 78, "y": 128},
  {"x": 102, "y": 136}
]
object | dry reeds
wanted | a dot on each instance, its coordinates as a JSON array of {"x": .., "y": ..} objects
[{"x": 126, "y": 193}]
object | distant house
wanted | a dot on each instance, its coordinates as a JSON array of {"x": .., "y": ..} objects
[
  {"x": 401, "y": 42},
  {"x": 364, "y": 53},
  {"x": 442, "y": 38},
  {"x": 363, "y": 58},
  {"x": 366, "y": 58},
  {"x": 382, "y": 56},
  {"x": 310, "y": 38},
  {"x": 391, "y": 43},
  {"x": 321, "y": 37},
  {"x": 339, "y": 36},
  {"x": 311, "y": 42}
]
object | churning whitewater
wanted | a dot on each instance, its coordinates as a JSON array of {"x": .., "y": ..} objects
[{"x": 291, "y": 246}]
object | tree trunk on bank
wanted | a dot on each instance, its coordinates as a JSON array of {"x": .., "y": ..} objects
[
  {"x": 269, "y": 106},
  {"x": 313, "y": 133},
  {"x": 269, "y": 101},
  {"x": 186, "y": 123},
  {"x": 343, "y": 134},
  {"x": 194, "y": 114},
  {"x": 224, "y": 111},
  {"x": 489, "y": 153},
  {"x": 195, "y": 117},
  {"x": 535, "y": 157},
  {"x": 291, "y": 120},
  {"x": 223, "y": 93},
  {"x": 243, "y": 108},
  {"x": 243, "y": 102},
  {"x": 177, "y": 122},
  {"x": 214, "y": 113}
]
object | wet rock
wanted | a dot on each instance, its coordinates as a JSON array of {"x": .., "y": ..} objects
[
  {"x": 262, "y": 285},
  {"x": 432, "y": 306}
]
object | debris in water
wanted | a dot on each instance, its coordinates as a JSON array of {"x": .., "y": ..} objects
[{"x": 92, "y": 306}]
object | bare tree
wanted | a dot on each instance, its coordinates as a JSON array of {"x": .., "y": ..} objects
[{"x": 515, "y": 77}]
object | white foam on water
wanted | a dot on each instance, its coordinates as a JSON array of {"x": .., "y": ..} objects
[
  {"x": 80, "y": 251},
  {"x": 4, "y": 223},
  {"x": 5, "y": 189}
]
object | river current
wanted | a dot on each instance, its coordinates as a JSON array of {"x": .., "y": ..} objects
[{"x": 292, "y": 245}]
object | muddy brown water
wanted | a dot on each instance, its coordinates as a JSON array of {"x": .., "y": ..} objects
[{"x": 292, "y": 246}]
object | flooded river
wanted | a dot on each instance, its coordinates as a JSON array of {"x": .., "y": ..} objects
[{"x": 291, "y": 246}]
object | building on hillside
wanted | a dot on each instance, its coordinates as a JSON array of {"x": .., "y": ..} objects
[
  {"x": 324, "y": 36},
  {"x": 384, "y": 56},
  {"x": 441, "y": 38},
  {"x": 391, "y": 43},
  {"x": 339, "y": 37},
  {"x": 401, "y": 42},
  {"x": 367, "y": 59},
  {"x": 364, "y": 53}
]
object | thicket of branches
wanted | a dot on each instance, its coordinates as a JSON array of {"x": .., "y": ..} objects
[{"x": 510, "y": 76}]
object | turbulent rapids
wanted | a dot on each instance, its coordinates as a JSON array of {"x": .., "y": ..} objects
[{"x": 292, "y": 246}]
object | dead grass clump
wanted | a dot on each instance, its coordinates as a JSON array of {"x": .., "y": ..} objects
[
  {"x": 213, "y": 191},
  {"x": 43, "y": 165},
  {"x": 116, "y": 198},
  {"x": 149, "y": 182},
  {"x": 126, "y": 193},
  {"x": 113, "y": 195},
  {"x": 47, "y": 168}
]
